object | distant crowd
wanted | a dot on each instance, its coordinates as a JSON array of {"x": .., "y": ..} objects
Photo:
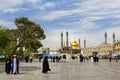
[{"x": 12, "y": 63}]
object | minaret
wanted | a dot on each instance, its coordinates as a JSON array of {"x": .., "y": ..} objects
[
  {"x": 105, "y": 35},
  {"x": 113, "y": 37},
  {"x": 61, "y": 39},
  {"x": 79, "y": 43},
  {"x": 113, "y": 40},
  {"x": 84, "y": 43},
  {"x": 67, "y": 43}
]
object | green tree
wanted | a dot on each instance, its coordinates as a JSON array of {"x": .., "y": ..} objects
[
  {"x": 28, "y": 34},
  {"x": 4, "y": 39}
]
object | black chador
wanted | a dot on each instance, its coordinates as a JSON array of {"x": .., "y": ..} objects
[
  {"x": 45, "y": 67},
  {"x": 8, "y": 65}
]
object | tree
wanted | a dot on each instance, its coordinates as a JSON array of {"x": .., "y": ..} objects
[
  {"x": 4, "y": 39},
  {"x": 28, "y": 34}
]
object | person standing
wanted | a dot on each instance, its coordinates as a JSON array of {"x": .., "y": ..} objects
[
  {"x": 30, "y": 59},
  {"x": 45, "y": 67},
  {"x": 26, "y": 59},
  {"x": 8, "y": 65},
  {"x": 110, "y": 57},
  {"x": 53, "y": 58},
  {"x": 15, "y": 65},
  {"x": 64, "y": 57},
  {"x": 81, "y": 58},
  {"x": 40, "y": 57},
  {"x": 92, "y": 60}
]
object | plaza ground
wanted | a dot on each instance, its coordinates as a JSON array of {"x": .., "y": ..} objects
[{"x": 66, "y": 70}]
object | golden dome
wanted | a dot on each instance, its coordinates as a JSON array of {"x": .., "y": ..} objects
[{"x": 74, "y": 45}]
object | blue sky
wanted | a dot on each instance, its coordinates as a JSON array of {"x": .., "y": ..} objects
[{"x": 84, "y": 19}]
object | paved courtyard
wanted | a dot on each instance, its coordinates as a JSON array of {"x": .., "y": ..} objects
[{"x": 66, "y": 70}]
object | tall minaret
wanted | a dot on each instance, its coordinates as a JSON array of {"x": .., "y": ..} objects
[
  {"x": 67, "y": 43},
  {"x": 84, "y": 43},
  {"x": 105, "y": 35},
  {"x": 113, "y": 37},
  {"x": 61, "y": 39},
  {"x": 113, "y": 40},
  {"x": 79, "y": 43}
]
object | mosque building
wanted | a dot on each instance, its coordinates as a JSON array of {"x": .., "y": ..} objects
[
  {"x": 73, "y": 48},
  {"x": 117, "y": 47},
  {"x": 104, "y": 49}
]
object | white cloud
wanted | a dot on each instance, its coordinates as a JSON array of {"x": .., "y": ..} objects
[
  {"x": 13, "y": 6},
  {"x": 46, "y": 5},
  {"x": 103, "y": 8},
  {"x": 87, "y": 23},
  {"x": 84, "y": 24},
  {"x": 58, "y": 14},
  {"x": 89, "y": 8},
  {"x": 117, "y": 22},
  {"x": 7, "y": 24},
  {"x": 100, "y": 4},
  {"x": 115, "y": 30},
  {"x": 52, "y": 41},
  {"x": 12, "y": 10},
  {"x": 33, "y": 1},
  {"x": 9, "y": 3}
]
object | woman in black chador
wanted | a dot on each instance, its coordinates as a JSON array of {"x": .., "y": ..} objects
[
  {"x": 8, "y": 65},
  {"x": 45, "y": 68}
]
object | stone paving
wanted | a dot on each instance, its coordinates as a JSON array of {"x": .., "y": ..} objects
[{"x": 66, "y": 70}]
